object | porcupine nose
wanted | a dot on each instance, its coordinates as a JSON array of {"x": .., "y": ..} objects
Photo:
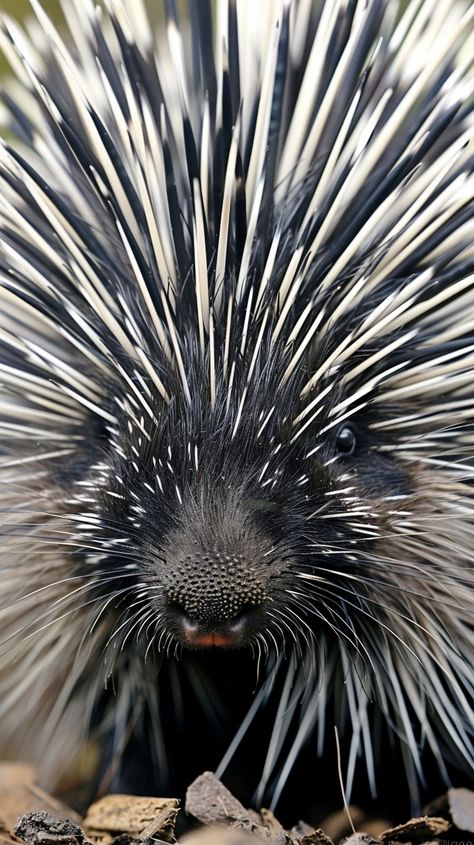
[{"x": 212, "y": 597}]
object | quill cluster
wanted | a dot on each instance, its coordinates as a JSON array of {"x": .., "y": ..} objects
[{"x": 236, "y": 365}]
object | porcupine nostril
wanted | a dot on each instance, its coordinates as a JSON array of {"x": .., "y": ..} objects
[
  {"x": 226, "y": 634},
  {"x": 214, "y": 596}
]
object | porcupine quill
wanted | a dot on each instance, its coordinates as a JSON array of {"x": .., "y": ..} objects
[{"x": 237, "y": 349}]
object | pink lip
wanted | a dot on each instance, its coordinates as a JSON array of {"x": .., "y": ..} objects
[
  {"x": 210, "y": 640},
  {"x": 213, "y": 639}
]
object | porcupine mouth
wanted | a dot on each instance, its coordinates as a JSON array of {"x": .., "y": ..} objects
[{"x": 201, "y": 634}]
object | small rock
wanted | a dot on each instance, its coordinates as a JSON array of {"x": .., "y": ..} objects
[
  {"x": 461, "y": 806},
  {"x": 44, "y": 829},
  {"x": 209, "y": 801}
]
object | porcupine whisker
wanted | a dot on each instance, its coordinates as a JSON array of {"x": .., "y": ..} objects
[
  {"x": 256, "y": 646},
  {"x": 398, "y": 535},
  {"x": 91, "y": 576},
  {"x": 129, "y": 619},
  {"x": 262, "y": 640},
  {"x": 52, "y": 608},
  {"x": 152, "y": 622},
  {"x": 83, "y": 547},
  {"x": 338, "y": 632},
  {"x": 416, "y": 571},
  {"x": 42, "y": 628},
  {"x": 54, "y": 531},
  {"x": 311, "y": 611},
  {"x": 357, "y": 578},
  {"x": 416, "y": 593},
  {"x": 113, "y": 595},
  {"x": 349, "y": 635},
  {"x": 277, "y": 626},
  {"x": 141, "y": 625},
  {"x": 308, "y": 664},
  {"x": 134, "y": 625},
  {"x": 272, "y": 640},
  {"x": 161, "y": 644},
  {"x": 169, "y": 642},
  {"x": 424, "y": 646},
  {"x": 404, "y": 540},
  {"x": 105, "y": 602},
  {"x": 303, "y": 605},
  {"x": 332, "y": 596},
  {"x": 150, "y": 645},
  {"x": 398, "y": 613},
  {"x": 154, "y": 619},
  {"x": 303, "y": 629},
  {"x": 295, "y": 631}
]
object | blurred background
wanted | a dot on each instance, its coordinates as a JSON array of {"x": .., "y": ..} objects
[{"x": 20, "y": 9}]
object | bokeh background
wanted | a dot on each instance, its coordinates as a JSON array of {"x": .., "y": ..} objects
[{"x": 21, "y": 9}]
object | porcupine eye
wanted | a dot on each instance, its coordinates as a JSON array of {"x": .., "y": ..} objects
[{"x": 346, "y": 440}]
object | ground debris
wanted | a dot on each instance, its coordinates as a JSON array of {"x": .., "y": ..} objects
[
  {"x": 416, "y": 830},
  {"x": 209, "y": 801},
  {"x": 44, "y": 829},
  {"x": 223, "y": 820},
  {"x": 133, "y": 817}
]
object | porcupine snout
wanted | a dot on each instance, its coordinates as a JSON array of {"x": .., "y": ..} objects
[
  {"x": 216, "y": 582},
  {"x": 213, "y": 597}
]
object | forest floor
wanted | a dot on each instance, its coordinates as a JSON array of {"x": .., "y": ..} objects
[{"x": 212, "y": 816}]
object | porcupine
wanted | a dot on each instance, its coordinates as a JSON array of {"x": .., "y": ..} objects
[{"x": 237, "y": 314}]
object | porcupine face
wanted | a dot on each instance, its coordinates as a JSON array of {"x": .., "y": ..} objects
[{"x": 227, "y": 510}]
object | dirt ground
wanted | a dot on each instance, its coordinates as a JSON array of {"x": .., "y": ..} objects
[{"x": 211, "y": 815}]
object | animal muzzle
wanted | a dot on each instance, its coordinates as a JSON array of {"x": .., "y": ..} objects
[{"x": 214, "y": 599}]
